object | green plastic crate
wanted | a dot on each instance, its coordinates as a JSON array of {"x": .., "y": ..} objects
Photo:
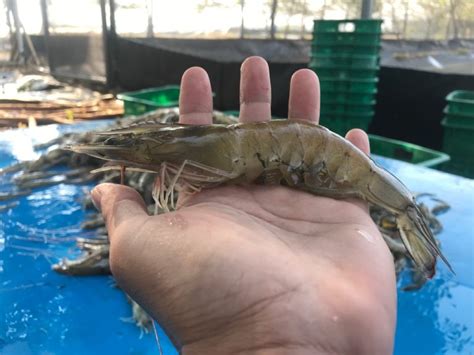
[
  {"x": 458, "y": 142},
  {"x": 234, "y": 113},
  {"x": 458, "y": 117},
  {"x": 328, "y": 96},
  {"x": 345, "y": 61},
  {"x": 346, "y": 49},
  {"x": 360, "y": 26},
  {"x": 346, "y": 39},
  {"x": 461, "y": 102},
  {"x": 328, "y": 108},
  {"x": 459, "y": 166},
  {"x": 342, "y": 123},
  {"x": 344, "y": 74},
  {"x": 139, "y": 102},
  {"x": 362, "y": 86},
  {"x": 458, "y": 139},
  {"x": 407, "y": 152}
]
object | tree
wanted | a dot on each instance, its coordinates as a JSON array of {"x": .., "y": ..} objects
[{"x": 272, "y": 19}]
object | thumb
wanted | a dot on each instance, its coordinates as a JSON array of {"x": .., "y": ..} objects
[
  {"x": 118, "y": 204},
  {"x": 360, "y": 139}
]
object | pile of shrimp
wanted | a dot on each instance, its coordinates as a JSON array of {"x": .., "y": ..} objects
[{"x": 49, "y": 170}]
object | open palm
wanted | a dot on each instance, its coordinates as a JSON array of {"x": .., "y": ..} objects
[{"x": 257, "y": 269}]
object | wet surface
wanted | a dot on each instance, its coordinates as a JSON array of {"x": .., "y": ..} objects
[
  {"x": 439, "y": 318},
  {"x": 44, "y": 312}
]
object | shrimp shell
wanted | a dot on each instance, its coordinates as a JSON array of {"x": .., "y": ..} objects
[{"x": 296, "y": 153}]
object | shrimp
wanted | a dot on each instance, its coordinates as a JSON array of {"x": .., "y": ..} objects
[
  {"x": 295, "y": 153},
  {"x": 93, "y": 261}
]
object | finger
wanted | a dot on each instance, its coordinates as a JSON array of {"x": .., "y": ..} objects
[
  {"x": 195, "y": 99},
  {"x": 304, "y": 96},
  {"x": 119, "y": 204},
  {"x": 255, "y": 90},
  {"x": 360, "y": 139}
]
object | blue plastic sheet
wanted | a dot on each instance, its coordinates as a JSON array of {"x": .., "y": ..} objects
[{"x": 42, "y": 312}]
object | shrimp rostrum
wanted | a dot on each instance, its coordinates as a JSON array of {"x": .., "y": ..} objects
[{"x": 296, "y": 153}]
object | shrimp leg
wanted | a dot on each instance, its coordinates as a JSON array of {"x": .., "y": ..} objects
[
  {"x": 189, "y": 176},
  {"x": 313, "y": 181},
  {"x": 122, "y": 174}
]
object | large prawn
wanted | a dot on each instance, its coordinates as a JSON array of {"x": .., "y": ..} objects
[{"x": 296, "y": 153}]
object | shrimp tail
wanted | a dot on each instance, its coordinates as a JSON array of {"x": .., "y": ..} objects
[{"x": 419, "y": 241}]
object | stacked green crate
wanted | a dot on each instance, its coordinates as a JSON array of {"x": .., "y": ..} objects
[
  {"x": 345, "y": 55},
  {"x": 458, "y": 126}
]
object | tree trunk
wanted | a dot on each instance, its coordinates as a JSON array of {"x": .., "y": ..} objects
[
  {"x": 287, "y": 27},
  {"x": 272, "y": 19},
  {"x": 149, "y": 30},
  {"x": 304, "y": 12},
  {"x": 447, "y": 28},
  {"x": 20, "y": 49},
  {"x": 242, "y": 27},
  {"x": 323, "y": 9},
  {"x": 405, "y": 21},
  {"x": 395, "y": 25},
  {"x": 452, "y": 10}
]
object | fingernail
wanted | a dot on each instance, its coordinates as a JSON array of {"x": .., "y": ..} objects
[{"x": 95, "y": 197}]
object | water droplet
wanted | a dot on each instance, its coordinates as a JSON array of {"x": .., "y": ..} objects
[{"x": 176, "y": 220}]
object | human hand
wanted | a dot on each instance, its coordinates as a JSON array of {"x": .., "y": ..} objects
[{"x": 256, "y": 269}]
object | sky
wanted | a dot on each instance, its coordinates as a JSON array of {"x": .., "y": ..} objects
[
  {"x": 186, "y": 18},
  {"x": 168, "y": 16}
]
